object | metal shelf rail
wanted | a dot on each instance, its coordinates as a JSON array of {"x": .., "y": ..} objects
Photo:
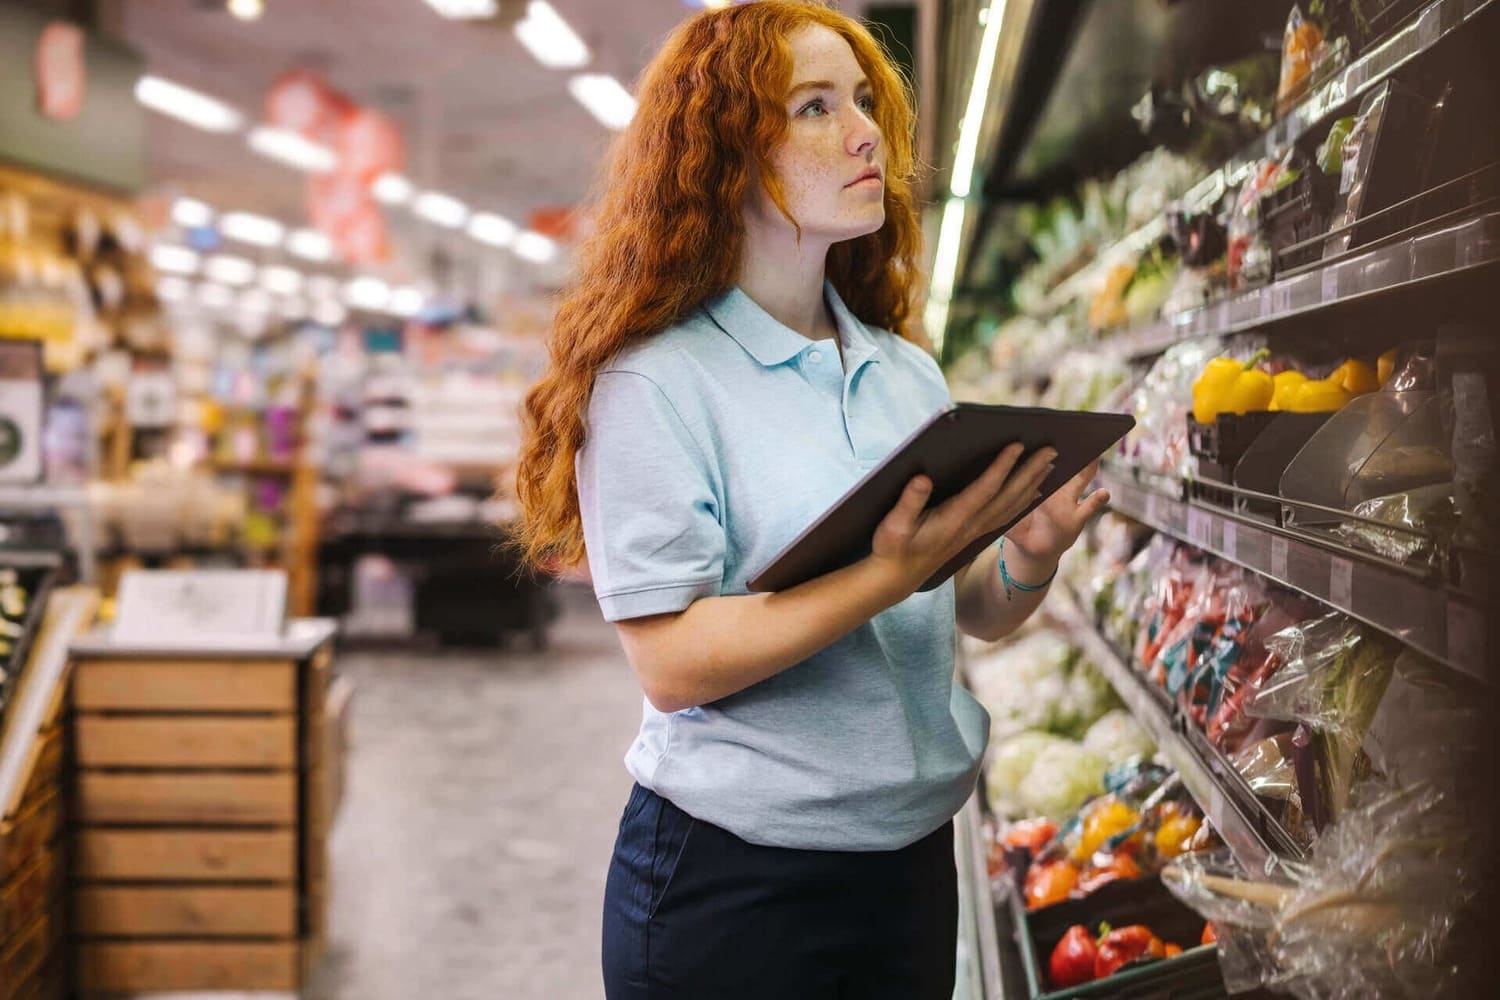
[{"x": 1431, "y": 617}]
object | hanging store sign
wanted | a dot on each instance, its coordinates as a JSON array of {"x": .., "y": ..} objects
[
  {"x": 20, "y": 411},
  {"x": 67, "y": 102}
]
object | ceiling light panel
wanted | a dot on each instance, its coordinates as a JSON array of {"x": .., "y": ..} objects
[
  {"x": 604, "y": 97},
  {"x": 534, "y": 247},
  {"x": 549, "y": 39},
  {"x": 440, "y": 209},
  {"x": 256, "y": 230},
  {"x": 292, "y": 150},
  {"x": 281, "y": 280},
  {"x": 229, "y": 270},
  {"x": 496, "y": 230},
  {"x": 465, "y": 10},
  {"x": 174, "y": 260},
  {"x": 309, "y": 244},
  {"x": 190, "y": 213},
  {"x": 187, "y": 105},
  {"x": 366, "y": 292},
  {"x": 392, "y": 189},
  {"x": 405, "y": 301}
]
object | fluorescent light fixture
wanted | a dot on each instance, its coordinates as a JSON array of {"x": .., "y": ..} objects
[
  {"x": 215, "y": 296},
  {"x": 321, "y": 286},
  {"x": 281, "y": 280},
  {"x": 292, "y": 149},
  {"x": 534, "y": 247},
  {"x": 392, "y": 189},
  {"x": 254, "y": 229},
  {"x": 405, "y": 301},
  {"x": 294, "y": 307},
  {"x": 256, "y": 300},
  {"x": 230, "y": 270},
  {"x": 968, "y": 129},
  {"x": 944, "y": 270},
  {"x": 329, "y": 313},
  {"x": 174, "y": 260},
  {"x": 549, "y": 39},
  {"x": 366, "y": 292},
  {"x": 604, "y": 97},
  {"x": 440, "y": 209},
  {"x": 187, "y": 105},
  {"x": 309, "y": 244},
  {"x": 172, "y": 289},
  {"x": 190, "y": 213},
  {"x": 465, "y": 10},
  {"x": 496, "y": 230},
  {"x": 247, "y": 10}
]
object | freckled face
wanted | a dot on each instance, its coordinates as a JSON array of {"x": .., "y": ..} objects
[{"x": 832, "y": 162}]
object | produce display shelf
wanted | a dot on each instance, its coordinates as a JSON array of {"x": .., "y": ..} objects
[
  {"x": 1438, "y": 20},
  {"x": 1469, "y": 245},
  {"x": 1257, "y": 840},
  {"x": 1431, "y": 617}
]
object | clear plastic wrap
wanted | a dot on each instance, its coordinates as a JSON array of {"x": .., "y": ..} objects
[
  {"x": 1158, "y": 442},
  {"x": 1369, "y": 915},
  {"x": 1427, "y": 514}
]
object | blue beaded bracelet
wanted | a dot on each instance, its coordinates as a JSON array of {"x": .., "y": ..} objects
[{"x": 1005, "y": 578}]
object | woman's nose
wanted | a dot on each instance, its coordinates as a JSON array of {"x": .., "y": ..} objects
[{"x": 862, "y": 135}]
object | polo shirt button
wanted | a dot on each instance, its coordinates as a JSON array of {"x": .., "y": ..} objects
[{"x": 815, "y": 357}]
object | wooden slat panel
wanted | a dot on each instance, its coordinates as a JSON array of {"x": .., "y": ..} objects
[
  {"x": 25, "y": 952},
  {"x": 191, "y": 741},
  {"x": 186, "y": 855},
  {"x": 190, "y": 911},
  {"x": 230, "y": 799},
  {"x": 33, "y": 828},
  {"x": 143, "y": 966},
  {"x": 185, "y": 686}
]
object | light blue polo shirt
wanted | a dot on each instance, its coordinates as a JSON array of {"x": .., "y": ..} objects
[{"x": 710, "y": 446}]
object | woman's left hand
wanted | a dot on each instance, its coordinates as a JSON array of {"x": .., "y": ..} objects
[{"x": 1042, "y": 536}]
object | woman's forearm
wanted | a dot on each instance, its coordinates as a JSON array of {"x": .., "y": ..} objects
[
  {"x": 721, "y": 645},
  {"x": 984, "y": 609}
]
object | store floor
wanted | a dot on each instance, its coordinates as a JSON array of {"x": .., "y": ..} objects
[{"x": 483, "y": 794}]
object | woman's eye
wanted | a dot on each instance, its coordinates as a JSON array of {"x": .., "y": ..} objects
[
  {"x": 867, "y": 103},
  {"x": 811, "y": 108}
]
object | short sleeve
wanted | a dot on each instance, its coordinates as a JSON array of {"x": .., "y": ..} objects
[{"x": 650, "y": 513}]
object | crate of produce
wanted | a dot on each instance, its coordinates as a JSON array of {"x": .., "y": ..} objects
[{"x": 1192, "y": 974}]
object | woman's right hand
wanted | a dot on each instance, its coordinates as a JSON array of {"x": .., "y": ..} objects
[{"x": 915, "y": 542}]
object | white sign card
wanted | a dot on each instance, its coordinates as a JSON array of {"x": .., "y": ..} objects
[{"x": 200, "y": 607}]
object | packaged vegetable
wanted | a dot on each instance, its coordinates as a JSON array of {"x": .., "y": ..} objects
[
  {"x": 1299, "y": 53},
  {"x": 1120, "y": 866},
  {"x": 1049, "y": 882},
  {"x": 1103, "y": 819},
  {"x": 1031, "y": 835},
  {"x": 1008, "y": 766},
  {"x": 1175, "y": 830},
  {"x": 1063, "y": 777}
]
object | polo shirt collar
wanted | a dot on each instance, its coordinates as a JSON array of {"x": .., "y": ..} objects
[{"x": 771, "y": 343}]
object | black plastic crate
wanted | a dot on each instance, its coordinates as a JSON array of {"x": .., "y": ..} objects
[
  {"x": 1218, "y": 446},
  {"x": 1193, "y": 975},
  {"x": 1295, "y": 218}
]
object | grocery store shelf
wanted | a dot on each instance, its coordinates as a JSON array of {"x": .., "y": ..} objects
[
  {"x": 978, "y": 941},
  {"x": 260, "y": 467},
  {"x": 1466, "y": 246},
  {"x": 1423, "y": 612},
  {"x": 1433, "y": 24},
  {"x": 1257, "y": 840}
]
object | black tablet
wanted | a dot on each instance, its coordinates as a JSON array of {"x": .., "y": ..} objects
[{"x": 952, "y": 448}]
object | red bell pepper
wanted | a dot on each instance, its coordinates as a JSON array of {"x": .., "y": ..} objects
[
  {"x": 1072, "y": 962},
  {"x": 1209, "y": 934},
  {"x": 1031, "y": 835},
  {"x": 1124, "y": 945}
]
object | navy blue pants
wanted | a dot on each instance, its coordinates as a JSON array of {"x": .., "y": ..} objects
[{"x": 692, "y": 912}]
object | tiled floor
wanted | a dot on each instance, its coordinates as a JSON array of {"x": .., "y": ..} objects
[{"x": 483, "y": 794}]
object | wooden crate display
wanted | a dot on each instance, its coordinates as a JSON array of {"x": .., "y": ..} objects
[{"x": 201, "y": 823}]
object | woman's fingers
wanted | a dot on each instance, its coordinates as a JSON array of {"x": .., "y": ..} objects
[
  {"x": 904, "y": 516},
  {"x": 1020, "y": 489}
]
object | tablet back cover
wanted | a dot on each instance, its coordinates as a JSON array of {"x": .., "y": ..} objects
[{"x": 952, "y": 448}]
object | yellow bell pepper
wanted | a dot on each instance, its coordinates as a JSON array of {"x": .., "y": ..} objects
[
  {"x": 1176, "y": 831},
  {"x": 1356, "y": 377},
  {"x": 1284, "y": 384},
  {"x": 1318, "y": 396},
  {"x": 1385, "y": 366},
  {"x": 1230, "y": 386},
  {"x": 1106, "y": 818}
]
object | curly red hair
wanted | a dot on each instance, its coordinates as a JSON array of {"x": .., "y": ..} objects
[{"x": 670, "y": 227}]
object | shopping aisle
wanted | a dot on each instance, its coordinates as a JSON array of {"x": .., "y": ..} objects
[{"x": 483, "y": 795}]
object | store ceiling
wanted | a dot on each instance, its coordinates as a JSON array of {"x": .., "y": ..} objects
[{"x": 483, "y": 121}]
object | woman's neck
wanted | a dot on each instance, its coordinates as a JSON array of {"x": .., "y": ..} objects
[{"x": 786, "y": 280}]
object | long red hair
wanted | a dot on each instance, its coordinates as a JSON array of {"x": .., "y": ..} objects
[{"x": 669, "y": 231}]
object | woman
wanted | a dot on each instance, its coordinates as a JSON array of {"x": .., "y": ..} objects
[{"x": 735, "y": 355}]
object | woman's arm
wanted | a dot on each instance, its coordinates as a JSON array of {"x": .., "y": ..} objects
[
  {"x": 718, "y": 646},
  {"x": 1032, "y": 549}
]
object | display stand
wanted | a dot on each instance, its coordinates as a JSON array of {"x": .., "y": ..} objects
[
  {"x": 204, "y": 797},
  {"x": 33, "y": 776}
]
